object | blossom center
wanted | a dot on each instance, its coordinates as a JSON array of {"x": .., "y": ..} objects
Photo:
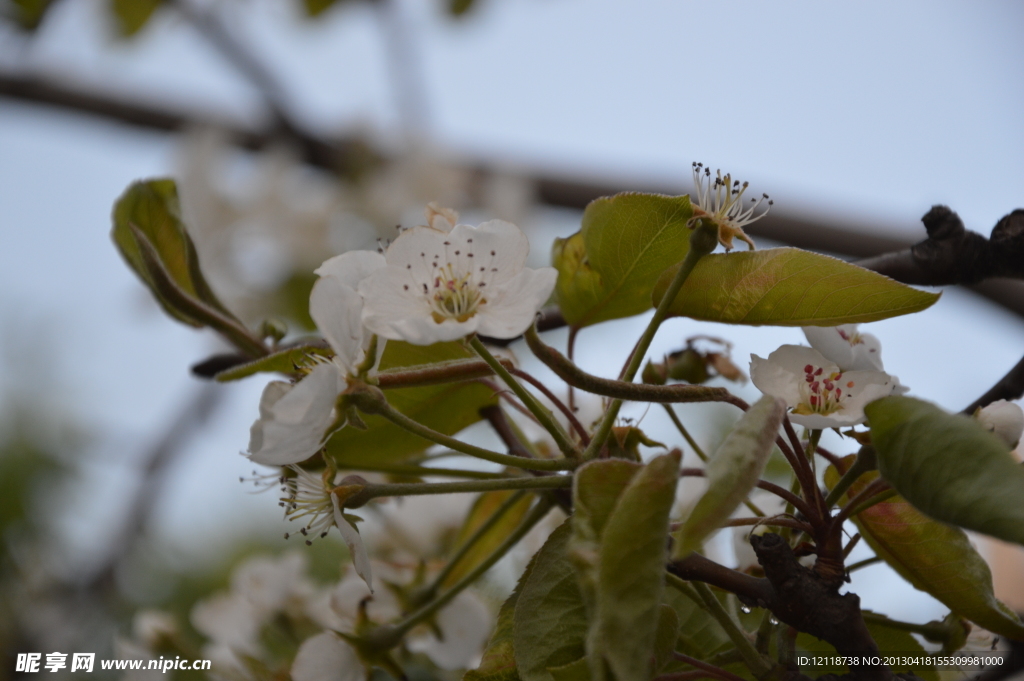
[
  {"x": 307, "y": 496},
  {"x": 822, "y": 393},
  {"x": 452, "y": 285},
  {"x": 454, "y": 296}
]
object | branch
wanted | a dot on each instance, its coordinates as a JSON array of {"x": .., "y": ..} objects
[{"x": 1009, "y": 387}]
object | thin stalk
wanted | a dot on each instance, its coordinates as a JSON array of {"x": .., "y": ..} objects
[
  {"x": 447, "y": 372},
  {"x": 865, "y": 461},
  {"x": 812, "y": 446},
  {"x": 712, "y": 670},
  {"x": 700, "y": 593},
  {"x": 566, "y": 411},
  {"x": 570, "y": 350},
  {"x": 423, "y": 471},
  {"x": 685, "y": 433},
  {"x": 537, "y": 514},
  {"x": 400, "y": 419},
  {"x": 543, "y": 414},
  {"x": 933, "y": 631},
  {"x": 700, "y": 245},
  {"x": 472, "y": 540},
  {"x": 860, "y": 564},
  {"x": 406, "y": 489},
  {"x": 764, "y": 632},
  {"x": 790, "y": 497}
]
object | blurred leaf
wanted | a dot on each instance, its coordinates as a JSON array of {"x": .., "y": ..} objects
[
  {"x": 498, "y": 662},
  {"x": 934, "y": 557},
  {"x": 890, "y": 642},
  {"x": 667, "y": 635},
  {"x": 596, "y": 489},
  {"x": 732, "y": 472},
  {"x": 282, "y": 362},
  {"x": 29, "y": 14},
  {"x": 788, "y": 287},
  {"x": 132, "y": 15},
  {"x": 315, "y": 8},
  {"x": 291, "y": 299},
  {"x": 152, "y": 207},
  {"x": 457, "y": 8},
  {"x": 550, "y": 618},
  {"x": 447, "y": 408},
  {"x": 631, "y": 572},
  {"x": 608, "y": 269},
  {"x": 699, "y": 635},
  {"x": 484, "y": 507},
  {"x": 948, "y": 466},
  {"x": 574, "y": 671}
]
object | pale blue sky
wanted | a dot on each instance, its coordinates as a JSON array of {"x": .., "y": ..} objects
[{"x": 872, "y": 113}]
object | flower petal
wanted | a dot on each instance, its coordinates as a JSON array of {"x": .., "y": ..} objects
[
  {"x": 325, "y": 657},
  {"x": 1005, "y": 419},
  {"x": 834, "y": 343},
  {"x": 352, "y": 267},
  {"x": 293, "y": 429},
  {"x": 360, "y": 559},
  {"x": 514, "y": 309},
  {"x": 337, "y": 310},
  {"x": 772, "y": 378},
  {"x": 465, "y": 625}
]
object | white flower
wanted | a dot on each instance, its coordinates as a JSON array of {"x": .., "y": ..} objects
[
  {"x": 817, "y": 391},
  {"x": 1005, "y": 419},
  {"x": 325, "y": 657},
  {"x": 844, "y": 345},
  {"x": 312, "y": 496},
  {"x": 274, "y": 584},
  {"x": 441, "y": 287},
  {"x": 294, "y": 419},
  {"x": 465, "y": 625},
  {"x": 721, "y": 201}
]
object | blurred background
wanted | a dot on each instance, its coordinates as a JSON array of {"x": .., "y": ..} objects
[{"x": 300, "y": 129}]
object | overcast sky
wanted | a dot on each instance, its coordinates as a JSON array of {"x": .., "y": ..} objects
[{"x": 875, "y": 111}]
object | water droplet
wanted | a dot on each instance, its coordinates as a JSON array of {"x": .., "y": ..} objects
[
  {"x": 745, "y": 609},
  {"x": 773, "y": 620}
]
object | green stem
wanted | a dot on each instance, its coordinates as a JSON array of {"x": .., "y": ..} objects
[
  {"x": 700, "y": 593},
  {"x": 422, "y": 471},
  {"x": 403, "y": 421},
  {"x": 472, "y": 540},
  {"x": 543, "y": 414},
  {"x": 406, "y": 489},
  {"x": 764, "y": 633},
  {"x": 933, "y": 631},
  {"x": 701, "y": 243},
  {"x": 685, "y": 433},
  {"x": 444, "y": 372},
  {"x": 865, "y": 462},
  {"x": 537, "y": 514}
]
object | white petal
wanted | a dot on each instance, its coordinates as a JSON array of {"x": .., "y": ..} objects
[
  {"x": 352, "y": 267},
  {"x": 508, "y": 243},
  {"x": 294, "y": 428},
  {"x": 393, "y": 312},
  {"x": 346, "y": 596},
  {"x": 796, "y": 357},
  {"x": 360, "y": 559},
  {"x": 864, "y": 355},
  {"x": 325, "y": 657},
  {"x": 773, "y": 379},
  {"x": 418, "y": 247},
  {"x": 514, "y": 310},
  {"x": 1005, "y": 419},
  {"x": 337, "y": 310},
  {"x": 270, "y": 582},
  {"x": 228, "y": 619},
  {"x": 466, "y": 624}
]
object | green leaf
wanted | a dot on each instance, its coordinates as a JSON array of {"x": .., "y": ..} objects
[
  {"x": 550, "y": 618},
  {"x": 281, "y": 362},
  {"x": 788, "y": 287},
  {"x": 667, "y": 635},
  {"x": 608, "y": 269},
  {"x": 315, "y": 8},
  {"x": 132, "y": 15},
  {"x": 934, "y": 557},
  {"x": 29, "y": 14},
  {"x": 498, "y": 662},
  {"x": 152, "y": 207},
  {"x": 700, "y": 635},
  {"x": 484, "y": 507},
  {"x": 574, "y": 671},
  {"x": 631, "y": 572},
  {"x": 890, "y": 641},
  {"x": 383, "y": 441},
  {"x": 948, "y": 466},
  {"x": 458, "y": 8},
  {"x": 733, "y": 472}
]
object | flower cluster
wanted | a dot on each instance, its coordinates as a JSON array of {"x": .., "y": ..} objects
[{"x": 828, "y": 384}]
